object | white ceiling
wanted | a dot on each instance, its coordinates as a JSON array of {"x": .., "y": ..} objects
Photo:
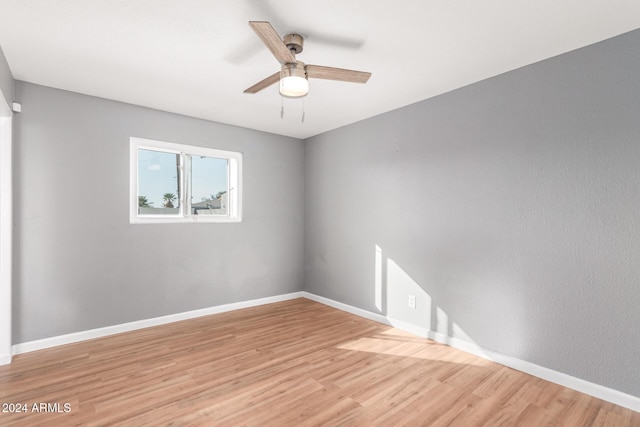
[{"x": 195, "y": 57}]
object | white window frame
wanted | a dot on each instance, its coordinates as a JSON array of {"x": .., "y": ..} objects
[{"x": 185, "y": 151}]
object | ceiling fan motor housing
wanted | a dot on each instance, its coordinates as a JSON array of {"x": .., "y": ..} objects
[{"x": 292, "y": 69}]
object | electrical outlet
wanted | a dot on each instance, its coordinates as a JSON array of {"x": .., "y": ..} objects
[{"x": 411, "y": 301}]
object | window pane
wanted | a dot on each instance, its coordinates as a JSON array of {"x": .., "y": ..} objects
[
  {"x": 158, "y": 183},
  {"x": 209, "y": 186},
  {"x": 167, "y": 178}
]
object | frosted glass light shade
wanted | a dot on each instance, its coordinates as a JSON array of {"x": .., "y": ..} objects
[
  {"x": 293, "y": 80},
  {"x": 294, "y": 87}
]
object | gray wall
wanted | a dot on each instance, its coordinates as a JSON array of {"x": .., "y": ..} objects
[
  {"x": 79, "y": 264},
  {"x": 6, "y": 80},
  {"x": 510, "y": 208}
]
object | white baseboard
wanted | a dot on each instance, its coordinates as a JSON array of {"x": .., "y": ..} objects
[
  {"x": 348, "y": 308},
  {"x": 146, "y": 323},
  {"x": 5, "y": 359},
  {"x": 592, "y": 389},
  {"x": 601, "y": 392}
]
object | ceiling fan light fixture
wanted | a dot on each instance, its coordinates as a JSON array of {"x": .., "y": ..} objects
[
  {"x": 294, "y": 75},
  {"x": 293, "y": 80}
]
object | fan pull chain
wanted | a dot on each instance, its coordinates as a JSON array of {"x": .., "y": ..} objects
[
  {"x": 281, "y": 107},
  {"x": 302, "y": 110}
]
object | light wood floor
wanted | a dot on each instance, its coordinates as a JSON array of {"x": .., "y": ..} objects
[{"x": 285, "y": 364}]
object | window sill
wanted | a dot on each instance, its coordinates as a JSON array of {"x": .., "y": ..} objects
[{"x": 185, "y": 220}]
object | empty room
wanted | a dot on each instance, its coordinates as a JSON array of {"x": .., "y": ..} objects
[{"x": 340, "y": 213}]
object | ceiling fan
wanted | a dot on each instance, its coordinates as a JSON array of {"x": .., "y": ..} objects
[{"x": 294, "y": 75}]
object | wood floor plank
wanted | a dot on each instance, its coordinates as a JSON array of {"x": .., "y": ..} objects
[{"x": 291, "y": 363}]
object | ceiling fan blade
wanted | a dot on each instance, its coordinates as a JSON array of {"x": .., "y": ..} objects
[
  {"x": 270, "y": 37},
  {"x": 262, "y": 84},
  {"x": 330, "y": 73}
]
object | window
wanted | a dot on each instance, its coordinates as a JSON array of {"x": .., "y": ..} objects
[{"x": 183, "y": 183}]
